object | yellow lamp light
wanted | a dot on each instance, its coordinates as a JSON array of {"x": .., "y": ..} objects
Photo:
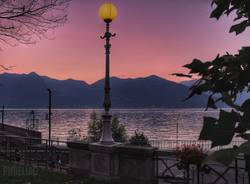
[{"x": 107, "y": 12}]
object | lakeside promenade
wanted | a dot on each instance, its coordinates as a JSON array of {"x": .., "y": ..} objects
[{"x": 34, "y": 151}]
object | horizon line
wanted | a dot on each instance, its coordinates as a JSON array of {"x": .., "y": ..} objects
[{"x": 54, "y": 78}]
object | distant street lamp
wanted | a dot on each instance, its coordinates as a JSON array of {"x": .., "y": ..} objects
[
  {"x": 107, "y": 13},
  {"x": 49, "y": 116},
  {"x": 2, "y": 111}
]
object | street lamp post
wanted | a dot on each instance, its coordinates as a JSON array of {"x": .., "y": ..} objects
[
  {"x": 107, "y": 13},
  {"x": 2, "y": 111},
  {"x": 49, "y": 116}
]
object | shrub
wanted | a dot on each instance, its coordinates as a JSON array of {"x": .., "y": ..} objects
[
  {"x": 139, "y": 139},
  {"x": 190, "y": 154},
  {"x": 119, "y": 130},
  {"x": 95, "y": 129}
]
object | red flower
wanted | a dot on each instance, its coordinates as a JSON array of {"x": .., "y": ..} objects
[{"x": 190, "y": 154}]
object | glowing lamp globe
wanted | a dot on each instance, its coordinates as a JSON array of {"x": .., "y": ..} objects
[{"x": 107, "y": 12}]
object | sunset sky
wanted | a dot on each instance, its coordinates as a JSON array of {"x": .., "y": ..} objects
[{"x": 153, "y": 37}]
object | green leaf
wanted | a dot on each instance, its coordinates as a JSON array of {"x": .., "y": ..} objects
[
  {"x": 246, "y": 105},
  {"x": 220, "y": 131},
  {"x": 222, "y": 6},
  {"x": 228, "y": 99},
  {"x": 182, "y": 75},
  {"x": 197, "y": 66},
  {"x": 225, "y": 129},
  {"x": 245, "y": 136},
  {"x": 244, "y": 148},
  {"x": 239, "y": 28},
  {"x": 225, "y": 156},
  {"x": 211, "y": 103},
  {"x": 207, "y": 132},
  {"x": 245, "y": 120}
]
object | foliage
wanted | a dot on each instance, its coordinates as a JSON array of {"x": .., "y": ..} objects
[
  {"x": 139, "y": 139},
  {"x": 24, "y": 21},
  {"x": 12, "y": 173},
  {"x": 240, "y": 7},
  {"x": 225, "y": 78},
  {"x": 119, "y": 131},
  {"x": 190, "y": 154},
  {"x": 15, "y": 174},
  {"x": 95, "y": 129},
  {"x": 225, "y": 156}
]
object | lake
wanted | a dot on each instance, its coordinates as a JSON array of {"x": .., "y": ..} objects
[{"x": 157, "y": 124}]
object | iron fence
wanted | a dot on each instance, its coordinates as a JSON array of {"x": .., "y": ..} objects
[
  {"x": 205, "y": 145},
  {"x": 38, "y": 153},
  {"x": 170, "y": 170},
  {"x": 34, "y": 152}
]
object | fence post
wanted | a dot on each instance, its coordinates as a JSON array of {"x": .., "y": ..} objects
[
  {"x": 46, "y": 149},
  {"x": 202, "y": 178},
  {"x": 193, "y": 174},
  {"x": 25, "y": 151},
  {"x": 243, "y": 178},
  {"x": 198, "y": 174},
  {"x": 188, "y": 174},
  {"x": 30, "y": 151},
  {"x": 6, "y": 147},
  {"x": 236, "y": 171},
  {"x": 156, "y": 166}
]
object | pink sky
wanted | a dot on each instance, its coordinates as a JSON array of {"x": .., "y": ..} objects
[{"x": 152, "y": 38}]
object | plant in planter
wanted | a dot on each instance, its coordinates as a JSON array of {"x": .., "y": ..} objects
[
  {"x": 190, "y": 154},
  {"x": 139, "y": 139}
]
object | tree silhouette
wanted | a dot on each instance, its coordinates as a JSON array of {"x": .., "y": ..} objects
[
  {"x": 241, "y": 8},
  {"x": 26, "y": 21},
  {"x": 225, "y": 78}
]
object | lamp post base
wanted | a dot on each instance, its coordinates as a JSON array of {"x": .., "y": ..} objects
[{"x": 106, "y": 131}]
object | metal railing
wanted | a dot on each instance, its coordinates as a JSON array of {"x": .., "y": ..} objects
[
  {"x": 34, "y": 152},
  {"x": 205, "y": 145},
  {"x": 169, "y": 169}
]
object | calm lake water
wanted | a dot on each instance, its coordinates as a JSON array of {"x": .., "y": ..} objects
[{"x": 157, "y": 124}]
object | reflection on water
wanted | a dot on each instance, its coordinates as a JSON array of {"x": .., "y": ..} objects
[{"x": 155, "y": 123}]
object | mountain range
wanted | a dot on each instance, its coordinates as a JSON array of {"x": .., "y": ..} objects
[
  {"x": 30, "y": 91},
  {"x": 241, "y": 98}
]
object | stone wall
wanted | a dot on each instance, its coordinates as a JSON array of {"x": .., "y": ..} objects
[
  {"x": 136, "y": 165},
  {"x": 104, "y": 162},
  {"x": 79, "y": 159},
  {"x": 116, "y": 163}
]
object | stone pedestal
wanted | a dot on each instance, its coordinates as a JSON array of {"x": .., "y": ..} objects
[
  {"x": 79, "y": 158},
  {"x": 104, "y": 162},
  {"x": 136, "y": 165},
  {"x": 116, "y": 163}
]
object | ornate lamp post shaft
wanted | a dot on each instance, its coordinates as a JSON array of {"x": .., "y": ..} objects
[
  {"x": 106, "y": 133},
  {"x": 107, "y": 13}
]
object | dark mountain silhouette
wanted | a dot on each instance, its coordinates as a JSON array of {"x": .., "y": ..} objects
[{"x": 30, "y": 91}]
